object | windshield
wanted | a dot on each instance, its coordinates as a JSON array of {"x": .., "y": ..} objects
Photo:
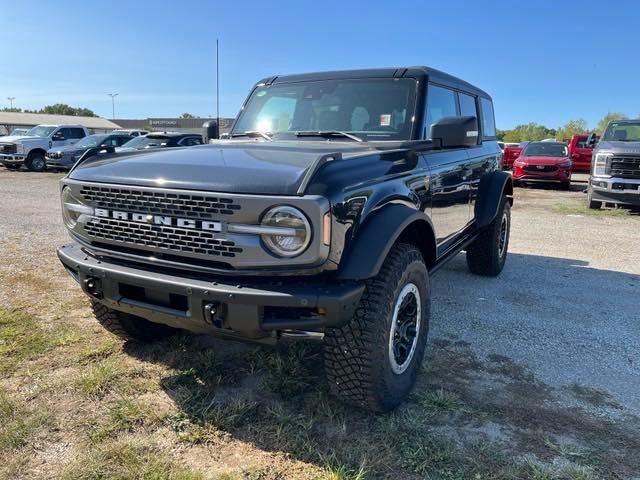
[
  {"x": 372, "y": 109},
  {"x": 19, "y": 131},
  {"x": 40, "y": 131},
  {"x": 91, "y": 141},
  {"x": 545, "y": 149},
  {"x": 146, "y": 141},
  {"x": 623, "y": 132}
]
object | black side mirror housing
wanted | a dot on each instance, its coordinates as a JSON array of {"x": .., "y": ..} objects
[
  {"x": 211, "y": 130},
  {"x": 455, "y": 132},
  {"x": 591, "y": 140}
]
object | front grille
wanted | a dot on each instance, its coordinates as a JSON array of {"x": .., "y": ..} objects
[
  {"x": 162, "y": 237},
  {"x": 162, "y": 203},
  {"x": 625, "y": 167},
  {"x": 535, "y": 168},
  {"x": 8, "y": 148}
]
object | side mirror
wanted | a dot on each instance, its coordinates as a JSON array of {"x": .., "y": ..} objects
[
  {"x": 591, "y": 140},
  {"x": 455, "y": 132},
  {"x": 211, "y": 130},
  {"x": 58, "y": 136}
]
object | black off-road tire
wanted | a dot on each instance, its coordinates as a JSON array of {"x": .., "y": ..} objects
[
  {"x": 130, "y": 327},
  {"x": 488, "y": 253},
  {"x": 593, "y": 204},
  {"x": 358, "y": 356},
  {"x": 36, "y": 163}
]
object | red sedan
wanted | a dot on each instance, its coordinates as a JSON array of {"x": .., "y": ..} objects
[{"x": 545, "y": 162}]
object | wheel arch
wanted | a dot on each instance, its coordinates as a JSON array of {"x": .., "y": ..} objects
[
  {"x": 493, "y": 186},
  {"x": 390, "y": 225},
  {"x": 36, "y": 150}
]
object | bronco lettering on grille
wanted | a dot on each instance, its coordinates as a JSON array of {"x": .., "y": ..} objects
[{"x": 190, "y": 223}]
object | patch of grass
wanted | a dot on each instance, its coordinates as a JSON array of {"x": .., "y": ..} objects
[
  {"x": 126, "y": 461},
  {"x": 17, "y": 424},
  {"x": 32, "y": 280},
  {"x": 439, "y": 400},
  {"x": 344, "y": 473},
  {"x": 289, "y": 373},
  {"x": 125, "y": 415},
  {"x": 579, "y": 209},
  {"x": 99, "y": 378},
  {"x": 22, "y": 339}
]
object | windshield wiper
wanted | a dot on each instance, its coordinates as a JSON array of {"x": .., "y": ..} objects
[
  {"x": 328, "y": 133},
  {"x": 252, "y": 134}
]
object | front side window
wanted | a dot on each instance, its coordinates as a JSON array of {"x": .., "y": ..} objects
[
  {"x": 372, "y": 109},
  {"x": 623, "y": 132},
  {"x": 488, "y": 119},
  {"x": 441, "y": 102}
]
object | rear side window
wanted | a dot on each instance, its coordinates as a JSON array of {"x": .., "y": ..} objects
[
  {"x": 467, "y": 105},
  {"x": 488, "y": 120},
  {"x": 441, "y": 102}
]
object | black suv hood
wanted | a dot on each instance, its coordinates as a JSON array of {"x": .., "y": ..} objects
[{"x": 275, "y": 168}]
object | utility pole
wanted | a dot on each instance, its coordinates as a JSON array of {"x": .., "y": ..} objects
[
  {"x": 113, "y": 104},
  {"x": 11, "y": 99},
  {"x": 217, "y": 86}
]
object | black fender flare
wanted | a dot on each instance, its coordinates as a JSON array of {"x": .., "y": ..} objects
[
  {"x": 493, "y": 186},
  {"x": 377, "y": 235}
]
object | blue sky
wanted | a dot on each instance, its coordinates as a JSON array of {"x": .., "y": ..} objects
[{"x": 542, "y": 61}]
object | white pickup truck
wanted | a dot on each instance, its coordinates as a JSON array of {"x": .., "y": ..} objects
[{"x": 30, "y": 149}]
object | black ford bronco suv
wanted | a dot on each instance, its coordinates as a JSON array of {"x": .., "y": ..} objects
[{"x": 322, "y": 214}]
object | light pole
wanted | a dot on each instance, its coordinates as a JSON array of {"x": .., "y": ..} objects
[
  {"x": 113, "y": 104},
  {"x": 11, "y": 99}
]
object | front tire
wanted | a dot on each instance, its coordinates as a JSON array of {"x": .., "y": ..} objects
[
  {"x": 374, "y": 360},
  {"x": 488, "y": 253},
  {"x": 36, "y": 163},
  {"x": 130, "y": 327},
  {"x": 593, "y": 204}
]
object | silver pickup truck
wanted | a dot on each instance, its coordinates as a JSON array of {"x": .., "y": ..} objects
[
  {"x": 615, "y": 167},
  {"x": 30, "y": 149}
]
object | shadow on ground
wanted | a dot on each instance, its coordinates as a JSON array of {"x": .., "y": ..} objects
[{"x": 469, "y": 417}]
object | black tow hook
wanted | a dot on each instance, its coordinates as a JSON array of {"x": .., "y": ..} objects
[{"x": 93, "y": 287}]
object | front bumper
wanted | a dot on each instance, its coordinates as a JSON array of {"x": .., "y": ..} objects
[
  {"x": 11, "y": 159},
  {"x": 62, "y": 162},
  {"x": 257, "y": 310},
  {"x": 624, "y": 191},
  {"x": 558, "y": 176}
]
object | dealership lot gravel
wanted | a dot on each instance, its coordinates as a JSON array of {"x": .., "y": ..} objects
[
  {"x": 558, "y": 332},
  {"x": 566, "y": 304}
]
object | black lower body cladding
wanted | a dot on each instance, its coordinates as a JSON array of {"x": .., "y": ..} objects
[{"x": 236, "y": 308}]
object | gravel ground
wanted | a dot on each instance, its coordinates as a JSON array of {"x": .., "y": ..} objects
[{"x": 566, "y": 304}]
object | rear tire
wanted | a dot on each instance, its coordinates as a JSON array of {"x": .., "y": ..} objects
[
  {"x": 36, "y": 163},
  {"x": 373, "y": 360},
  {"x": 130, "y": 327},
  {"x": 488, "y": 253}
]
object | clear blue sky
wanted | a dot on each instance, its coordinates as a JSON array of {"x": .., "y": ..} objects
[{"x": 542, "y": 61}]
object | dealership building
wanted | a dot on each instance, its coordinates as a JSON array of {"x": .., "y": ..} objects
[
  {"x": 11, "y": 120},
  {"x": 186, "y": 125}
]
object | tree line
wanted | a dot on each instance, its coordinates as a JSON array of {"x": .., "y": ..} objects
[
  {"x": 534, "y": 131},
  {"x": 56, "y": 109}
]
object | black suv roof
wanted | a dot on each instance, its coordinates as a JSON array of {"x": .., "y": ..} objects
[{"x": 418, "y": 72}]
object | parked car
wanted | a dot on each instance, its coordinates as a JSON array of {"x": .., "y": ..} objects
[
  {"x": 31, "y": 149},
  {"x": 510, "y": 153},
  {"x": 580, "y": 152},
  {"x": 615, "y": 173},
  {"x": 66, "y": 157},
  {"x": 544, "y": 162},
  {"x": 324, "y": 215},
  {"x": 161, "y": 140},
  {"x": 131, "y": 131},
  {"x": 19, "y": 132}
]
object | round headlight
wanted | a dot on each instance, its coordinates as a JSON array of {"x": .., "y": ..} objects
[
  {"x": 73, "y": 209},
  {"x": 292, "y": 231}
]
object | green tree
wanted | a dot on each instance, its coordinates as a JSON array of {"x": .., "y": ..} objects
[
  {"x": 528, "y": 131},
  {"x": 572, "y": 127},
  {"x": 64, "y": 109},
  {"x": 602, "y": 124},
  {"x": 187, "y": 115}
]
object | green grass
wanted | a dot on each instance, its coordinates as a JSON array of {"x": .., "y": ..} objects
[
  {"x": 22, "y": 339},
  {"x": 126, "y": 461},
  {"x": 17, "y": 424},
  {"x": 439, "y": 400},
  {"x": 99, "y": 378},
  {"x": 580, "y": 209}
]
